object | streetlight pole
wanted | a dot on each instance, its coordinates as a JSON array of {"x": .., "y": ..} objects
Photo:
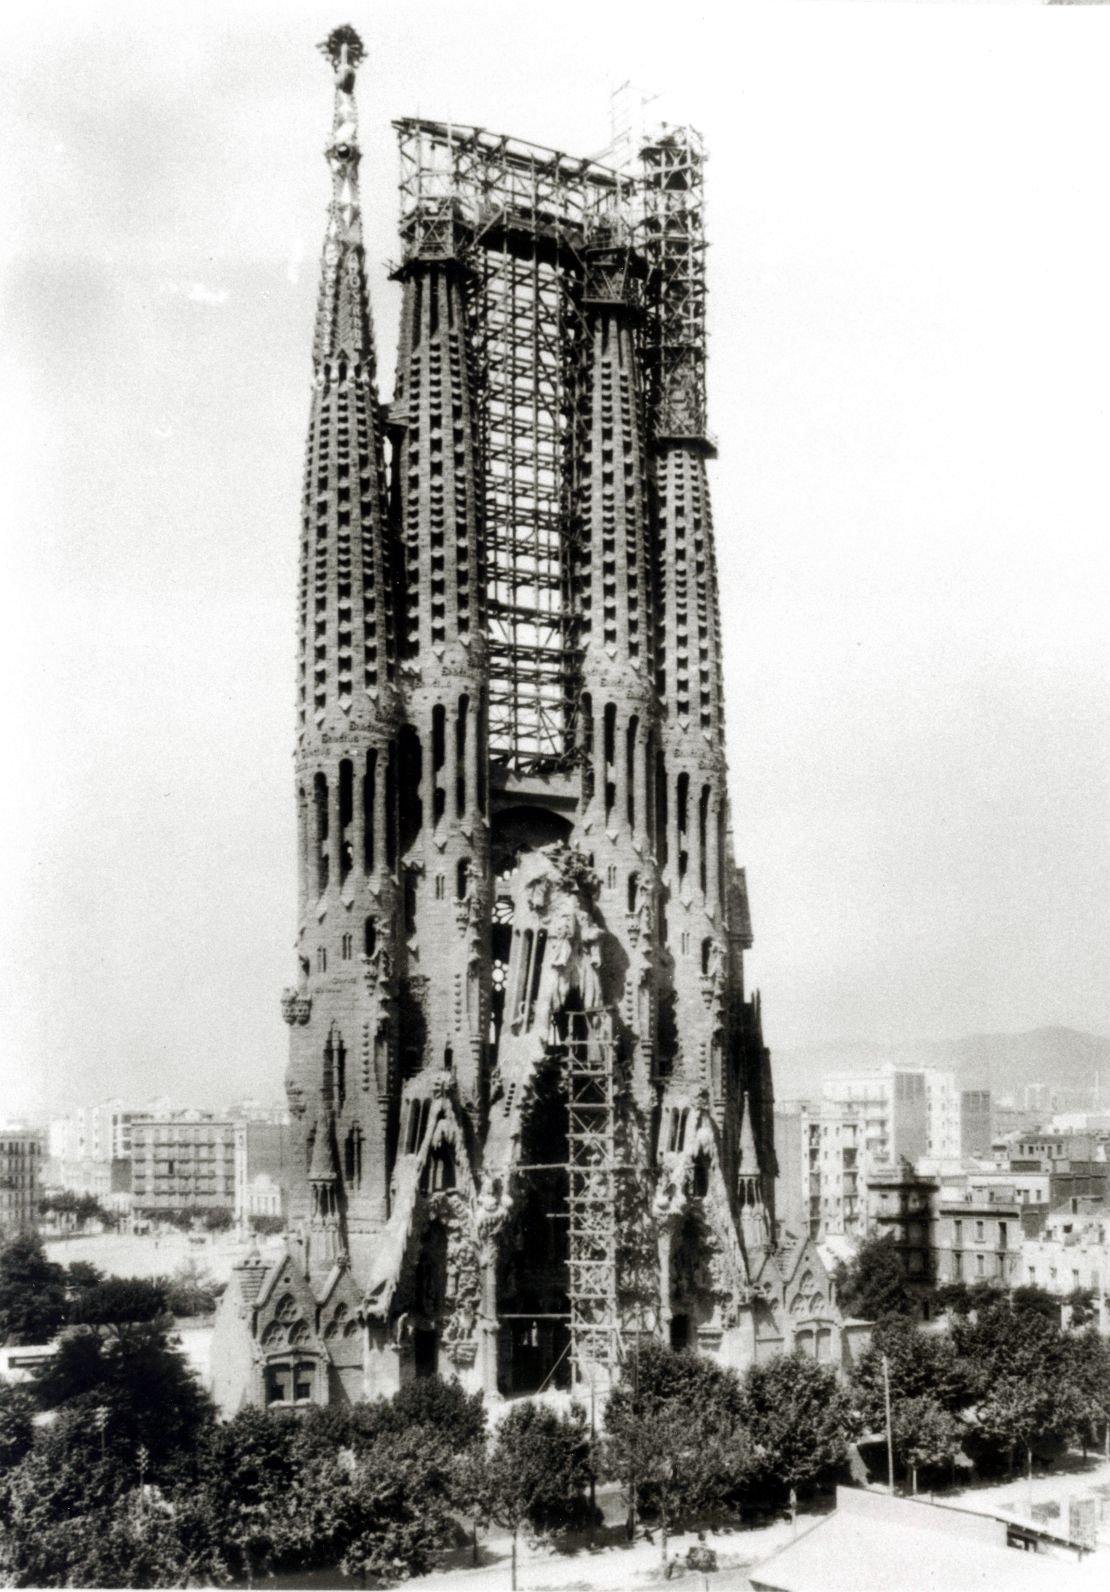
[{"x": 889, "y": 1434}]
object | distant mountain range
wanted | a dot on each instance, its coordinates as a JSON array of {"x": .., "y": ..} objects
[{"x": 1069, "y": 1061}]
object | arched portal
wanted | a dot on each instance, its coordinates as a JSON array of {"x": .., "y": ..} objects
[
  {"x": 532, "y": 1275},
  {"x": 687, "y": 1283},
  {"x": 428, "y": 1297}
]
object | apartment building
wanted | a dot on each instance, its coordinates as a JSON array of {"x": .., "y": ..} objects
[
  {"x": 95, "y": 1133},
  {"x": 192, "y": 1159},
  {"x": 869, "y": 1099},
  {"x": 902, "y": 1206},
  {"x": 979, "y": 1232},
  {"x": 1072, "y": 1251},
  {"x": 21, "y": 1158},
  {"x": 183, "y": 1160},
  {"x": 908, "y": 1113},
  {"x": 822, "y": 1167}
]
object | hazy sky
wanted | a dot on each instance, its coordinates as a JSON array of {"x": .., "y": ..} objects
[{"x": 910, "y": 320}]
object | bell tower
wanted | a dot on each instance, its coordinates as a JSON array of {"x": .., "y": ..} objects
[
  {"x": 531, "y": 1098},
  {"x": 343, "y": 1070}
]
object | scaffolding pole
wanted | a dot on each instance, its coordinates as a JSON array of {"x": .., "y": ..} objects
[
  {"x": 521, "y": 215},
  {"x": 592, "y": 1171}
]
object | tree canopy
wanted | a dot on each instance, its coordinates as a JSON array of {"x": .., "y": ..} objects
[
  {"x": 534, "y": 1473},
  {"x": 32, "y": 1292},
  {"x": 918, "y": 1364},
  {"x": 799, "y": 1418},
  {"x": 872, "y": 1284},
  {"x": 139, "y": 1377}
]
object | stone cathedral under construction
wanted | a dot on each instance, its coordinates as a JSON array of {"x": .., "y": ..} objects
[{"x": 530, "y": 1097}]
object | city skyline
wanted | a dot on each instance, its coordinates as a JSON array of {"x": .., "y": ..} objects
[{"x": 908, "y": 506}]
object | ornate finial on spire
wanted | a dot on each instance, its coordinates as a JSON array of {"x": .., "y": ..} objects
[
  {"x": 343, "y": 320},
  {"x": 343, "y": 48}
]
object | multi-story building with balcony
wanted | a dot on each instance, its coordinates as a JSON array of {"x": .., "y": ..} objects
[
  {"x": 1074, "y": 1163},
  {"x": 191, "y": 1159},
  {"x": 943, "y": 1114},
  {"x": 868, "y": 1097},
  {"x": 95, "y": 1133},
  {"x": 822, "y": 1169},
  {"x": 181, "y": 1161},
  {"x": 21, "y": 1158},
  {"x": 902, "y": 1206},
  {"x": 913, "y": 1113},
  {"x": 1032, "y": 1190}
]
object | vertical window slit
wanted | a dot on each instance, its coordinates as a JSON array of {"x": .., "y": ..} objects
[
  {"x": 369, "y": 799},
  {"x": 460, "y": 755},
  {"x": 630, "y": 766},
  {"x": 346, "y": 815},
  {"x": 703, "y": 834},
  {"x": 320, "y": 800}
]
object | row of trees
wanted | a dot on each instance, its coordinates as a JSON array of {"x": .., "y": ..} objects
[
  {"x": 134, "y": 1482},
  {"x": 82, "y": 1208},
  {"x": 38, "y": 1297},
  {"x": 85, "y": 1208},
  {"x": 688, "y": 1439},
  {"x": 1004, "y": 1378},
  {"x": 217, "y": 1219},
  {"x": 1003, "y": 1382}
]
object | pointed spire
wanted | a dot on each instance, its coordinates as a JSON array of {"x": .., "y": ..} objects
[
  {"x": 615, "y": 577},
  {"x": 347, "y": 648},
  {"x": 323, "y": 1168},
  {"x": 747, "y": 1158},
  {"x": 343, "y": 326}
]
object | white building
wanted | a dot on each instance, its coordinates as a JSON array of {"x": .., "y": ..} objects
[
  {"x": 942, "y": 1114},
  {"x": 1029, "y": 1188},
  {"x": 1073, "y": 1251},
  {"x": 94, "y": 1133},
  {"x": 906, "y": 1113},
  {"x": 868, "y": 1098},
  {"x": 262, "y": 1197},
  {"x": 822, "y": 1169}
]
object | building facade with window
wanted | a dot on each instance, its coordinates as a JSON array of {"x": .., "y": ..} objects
[
  {"x": 22, "y": 1153},
  {"x": 943, "y": 1114},
  {"x": 528, "y": 1086},
  {"x": 906, "y": 1113},
  {"x": 979, "y": 1233},
  {"x": 1072, "y": 1251},
  {"x": 183, "y": 1161},
  {"x": 822, "y": 1169},
  {"x": 95, "y": 1133},
  {"x": 902, "y": 1207}
]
